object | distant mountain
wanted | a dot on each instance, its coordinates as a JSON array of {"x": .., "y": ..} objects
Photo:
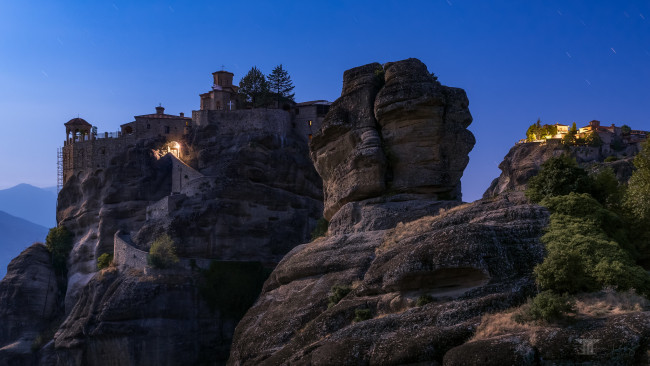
[
  {"x": 51, "y": 189},
  {"x": 16, "y": 234},
  {"x": 34, "y": 204}
]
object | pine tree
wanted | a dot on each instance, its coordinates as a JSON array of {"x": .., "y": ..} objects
[
  {"x": 281, "y": 85},
  {"x": 254, "y": 89}
]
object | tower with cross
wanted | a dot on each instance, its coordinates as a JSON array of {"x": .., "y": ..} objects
[{"x": 223, "y": 93}]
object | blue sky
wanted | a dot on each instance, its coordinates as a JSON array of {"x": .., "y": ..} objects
[{"x": 107, "y": 61}]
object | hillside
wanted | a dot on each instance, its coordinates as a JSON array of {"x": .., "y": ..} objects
[
  {"x": 34, "y": 204},
  {"x": 16, "y": 234}
]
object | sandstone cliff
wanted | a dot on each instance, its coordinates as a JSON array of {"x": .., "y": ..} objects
[
  {"x": 405, "y": 277},
  {"x": 29, "y": 299},
  {"x": 466, "y": 261},
  {"x": 246, "y": 194},
  {"x": 523, "y": 161},
  {"x": 394, "y": 130}
]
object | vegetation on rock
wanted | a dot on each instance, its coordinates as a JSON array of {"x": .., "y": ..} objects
[
  {"x": 362, "y": 314},
  {"x": 537, "y": 131},
  {"x": 547, "y": 306},
  {"x": 557, "y": 176},
  {"x": 423, "y": 300},
  {"x": 104, "y": 261},
  {"x": 162, "y": 253},
  {"x": 636, "y": 207},
  {"x": 337, "y": 293},
  {"x": 589, "y": 241},
  {"x": 59, "y": 243},
  {"x": 321, "y": 228}
]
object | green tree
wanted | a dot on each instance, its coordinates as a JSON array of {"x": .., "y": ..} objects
[
  {"x": 59, "y": 243},
  {"x": 254, "y": 89},
  {"x": 104, "y": 261},
  {"x": 606, "y": 189},
  {"x": 636, "y": 206},
  {"x": 625, "y": 130},
  {"x": 593, "y": 139},
  {"x": 558, "y": 176},
  {"x": 162, "y": 253},
  {"x": 584, "y": 252},
  {"x": 281, "y": 85}
]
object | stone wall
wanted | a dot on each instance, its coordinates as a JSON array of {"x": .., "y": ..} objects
[
  {"x": 127, "y": 256},
  {"x": 89, "y": 156},
  {"x": 164, "y": 206},
  {"x": 244, "y": 120},
  {"x": 182, "y": 174}
]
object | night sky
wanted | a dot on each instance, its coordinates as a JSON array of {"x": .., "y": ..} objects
[{"x": 518, "y": 61}]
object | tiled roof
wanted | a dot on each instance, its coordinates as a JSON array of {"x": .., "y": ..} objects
[{"x": 77, "y": 122}]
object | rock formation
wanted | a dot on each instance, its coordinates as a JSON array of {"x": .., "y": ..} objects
[
  {"x": 394, "y": 130},
  {"x": 253, "y": 196},
  {"x": 29, "y": 298},
  {"x": 523, "y": 161},
  {"x": 403, "y": 277},
  {"x": 469, "y": 260}
]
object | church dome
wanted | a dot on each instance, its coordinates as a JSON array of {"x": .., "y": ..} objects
[{"x": 77, "y": 122}]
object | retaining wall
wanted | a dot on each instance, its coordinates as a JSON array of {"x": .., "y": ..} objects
[{"x": 126, "y": 256}]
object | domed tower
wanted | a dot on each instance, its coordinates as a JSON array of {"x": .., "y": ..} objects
[
  {"x": 80, "y": 130},
  {"x": 77, "y": 149}
]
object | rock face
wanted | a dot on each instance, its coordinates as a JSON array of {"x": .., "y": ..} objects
[
  {"x": 394, "y": 129},
  {"x": 466, "y": 261},
  {"x": 248, "y": 194},
  {"x": 612, "y": 340},
  {"x": 120, "y": 316},
  {"x": 413, "y": 272},
  {"x": 523, "y": 161},
  {"x": 29, "y": 298}
]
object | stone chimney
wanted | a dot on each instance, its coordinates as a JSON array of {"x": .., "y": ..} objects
[
  {"x": 182, "y": 114},
  {"x": 160, "y": 110}
]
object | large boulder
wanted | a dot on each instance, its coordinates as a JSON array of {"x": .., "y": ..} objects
[
  {"x": 29, "y": 303},
  {"x": 136, "y": 319},
  {"x": 416, "y": 290},
  {"x": 424, "y": 129},
  {"x": 394, "y": 130},
  {"x": 347, "y": 152}
]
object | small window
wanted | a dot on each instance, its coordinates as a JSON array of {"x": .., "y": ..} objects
[
  {"x": 148, "y": 126},
  {"x": 297, "y": 111},
  {"x": 309, "y": 136},
  {"x": 166, "y": 129},
  {"x": 309, "y": 122}
]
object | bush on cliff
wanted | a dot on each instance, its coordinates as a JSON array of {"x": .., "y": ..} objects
[
  {"x": 586, "y": 246},
  {"x": 337, "y": 293},
  {"x": 547, "y": 306},
  {"x": 162, "y": 253},
  {"x": 321, "y": 229},
  {"x": 104, "y": 261},
  {"x": 636, "y": 207},
  {"x": 59, "y": 243},
  {"x": 558, "y": 176}
]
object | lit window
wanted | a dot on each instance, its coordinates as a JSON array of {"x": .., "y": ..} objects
[
  {"x": 309, "y": 136},
  {"x": 309, "y": 122}
]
